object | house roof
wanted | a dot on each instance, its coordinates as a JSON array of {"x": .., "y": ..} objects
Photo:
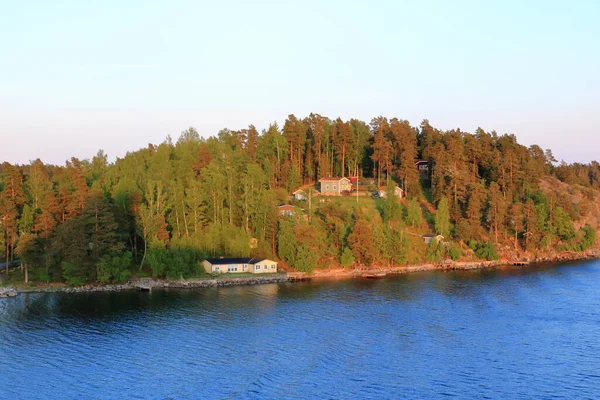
[
  {"x": 421, "y": 161},
  {"x": 285, "y": 206},
  {"x": 224, "y": 261},
  {"x": 431, "y": 235},
  {"x": 299, "y": 191},
  {"x": 334, "y": 179}
]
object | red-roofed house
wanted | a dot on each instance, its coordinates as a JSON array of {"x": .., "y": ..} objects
[
  {"x": 335, "y": 186},
  {"x": 287, "y": 210}
]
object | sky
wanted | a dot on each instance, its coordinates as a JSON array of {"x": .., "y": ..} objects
[{"x": 79, "y": 76}]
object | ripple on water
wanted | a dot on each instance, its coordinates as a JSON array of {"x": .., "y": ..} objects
[{"x": 509, "y": 333}]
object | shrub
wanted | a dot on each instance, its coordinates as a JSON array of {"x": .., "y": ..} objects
[
  {"x": 347, "y": 258},
  {"x": 114, "y": 269},
  {"x": 454, "y": 251},
  {"x": 487, "y": 251},
  {"x": 73, "y": 274}
]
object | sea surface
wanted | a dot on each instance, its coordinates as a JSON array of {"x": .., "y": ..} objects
[{"x": 506, "y": 333}]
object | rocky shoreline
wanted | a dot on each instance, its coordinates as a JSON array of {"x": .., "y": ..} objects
[
  {"x": 148, "y": 284},
  {"x": 7, "y": 292}
]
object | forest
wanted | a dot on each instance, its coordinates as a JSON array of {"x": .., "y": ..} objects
[{"x": 162, "y": 209}]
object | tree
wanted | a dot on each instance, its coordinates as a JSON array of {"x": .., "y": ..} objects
[
  {"x": 361, "y": 242},
  {"x": 414, "y": 215},
  {"x": 442, "y": 218},
  {"x": 391, "y": 207},
  {"x": 347, "y": 258}
]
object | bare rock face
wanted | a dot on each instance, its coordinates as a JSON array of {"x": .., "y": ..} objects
[{"x": 7, "y": 292}]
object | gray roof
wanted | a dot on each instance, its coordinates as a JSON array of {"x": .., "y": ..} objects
[{"x": 225, "y": 261}]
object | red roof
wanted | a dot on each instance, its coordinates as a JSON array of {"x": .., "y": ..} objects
[
  {"x": 286, "y": 207},
  {"x": 354, "y": 179}
]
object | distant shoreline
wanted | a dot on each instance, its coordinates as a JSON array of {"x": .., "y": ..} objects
[{"x": 148, "y": 284}]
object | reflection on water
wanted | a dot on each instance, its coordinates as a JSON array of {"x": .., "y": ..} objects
[{"x": 498, "y": 333}]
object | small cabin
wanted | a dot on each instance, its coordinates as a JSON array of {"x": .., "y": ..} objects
[
  {"x": 299, "y": 195},
  {"x": 430, "y": 237},
  {"x": 398, "y": 192}
]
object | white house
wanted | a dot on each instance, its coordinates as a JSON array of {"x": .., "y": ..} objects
[
  {"x": 239, "y": 265},
  {"x": 299, "y": 195},
  {"x": 398, "y": 192}
]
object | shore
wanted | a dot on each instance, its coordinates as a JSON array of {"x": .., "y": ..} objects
[{"x": 148, "y": 284}]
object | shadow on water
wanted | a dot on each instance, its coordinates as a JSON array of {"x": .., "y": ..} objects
[{"x": 405, "y": 288}]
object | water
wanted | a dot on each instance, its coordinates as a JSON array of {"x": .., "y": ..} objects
[{"x": 501, "y": 334}]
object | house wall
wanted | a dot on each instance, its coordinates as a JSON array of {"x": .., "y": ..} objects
[
  {"x": 226, "y": 268},
  {"x": 336, "y": 188},
  {"x": 329, "y": 188},
  {"x": 264, "y": 267}
]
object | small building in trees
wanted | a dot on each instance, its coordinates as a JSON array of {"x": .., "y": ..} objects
[
  {"x": 239, "y": 265},
  {"x": 286, "y": 210},
  {"x": 398, "y": 192},
  {"x": 299, "y": 195},
  {"x": 335, "y": 186},
  {"x": 422, "y": 167},
  {"x": 429, "y": 237}
]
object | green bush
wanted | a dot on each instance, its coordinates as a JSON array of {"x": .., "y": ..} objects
[
  {"x": 487, "y": 251},
  {"x": 347, "y": 258},
  {"x": 73, "y": 274},
  {"x": 435, "y": 251},
  {"x": 114, "y": 269},
  {"x": 454, "y": 251}
]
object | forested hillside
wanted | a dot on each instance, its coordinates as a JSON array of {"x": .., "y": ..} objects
[{"x": 163, "y": 208}]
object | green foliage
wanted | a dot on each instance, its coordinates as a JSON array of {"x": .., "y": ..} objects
[
  {"x": 287, "y": 241},
  {"x": 588, "y": 237},
  {"x": 73, "y": 274},
  {"x": 442, "y": 218},
  {"x": 563, "y": 226},
  {"x": 454, "y": 252},
  {"x": 435, "y": 251},
  {"x": 362, "y": 242},
  {"x": 486, "y": 251},
  {"x": 414, "y": 216},
  {"x": 115, "y": 269},
  {"x": 347, "y": 258},
  {"x": 391, "y": 207},
  {"x": 174, "y": 262}
]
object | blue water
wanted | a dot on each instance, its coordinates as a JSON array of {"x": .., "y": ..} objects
[{"x": 500, "y": 334}]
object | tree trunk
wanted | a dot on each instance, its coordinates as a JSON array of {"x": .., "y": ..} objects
[
  {"x": 144, "y": 256},
  {"x": 187, "y": 232}
]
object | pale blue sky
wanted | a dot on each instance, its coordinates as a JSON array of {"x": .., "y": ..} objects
[{"x": 77, "y": 76}]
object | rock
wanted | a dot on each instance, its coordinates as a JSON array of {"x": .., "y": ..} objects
[{"x": 7, "y": 292}]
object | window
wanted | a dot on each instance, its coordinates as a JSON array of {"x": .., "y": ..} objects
[
  {"x": 232, "y": 268},
  {"x": 272, "y": 267},
  {"x": 257, "y": 266},
  {"x": 216, "y": 268},
  {"x": 334, "y": 187},
  {"x": 326, "y": 187}
]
